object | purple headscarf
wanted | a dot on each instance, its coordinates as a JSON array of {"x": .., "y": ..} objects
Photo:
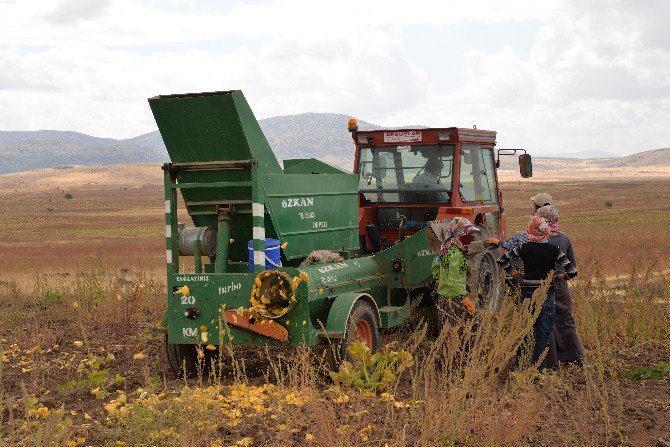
[
  {"x": 457, "y": 227},
  {"x": 550, "y": 213}
]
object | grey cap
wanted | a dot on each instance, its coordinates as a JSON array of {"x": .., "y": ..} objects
[{"x": 542, "y": 199}]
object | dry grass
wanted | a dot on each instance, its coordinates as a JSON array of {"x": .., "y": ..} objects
[
  {"x": 104, "y": 251},
  {"x": 121, "y": 226},
  {"x": 455, "y": 393},
  {"x": 124, "y": 226},
  {"x": 635, "y": 226}
]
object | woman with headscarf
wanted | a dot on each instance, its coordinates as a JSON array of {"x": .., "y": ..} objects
[
  {"x": 538, "y": 200},
  {"x": 450, "y": 268},
  {"x": 539, "y": 259},
  {"x": 564, "y": 344}
]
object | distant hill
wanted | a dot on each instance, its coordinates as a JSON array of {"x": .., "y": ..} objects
[
  {"x": 585, "y": 154},
  {"x": 321, "y": 135},
  {"x": 22, "y": 151},
  {"x": 658, "y": 157},
  {"x": 318, "y": 135},
  {"x": 10, "y": 138}
]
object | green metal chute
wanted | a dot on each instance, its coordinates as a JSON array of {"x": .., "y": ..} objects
[
  {"x": 211, "y": 127},
  {"x": 222, "y": 162}
]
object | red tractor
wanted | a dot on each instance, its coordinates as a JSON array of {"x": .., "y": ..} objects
[{"x": 408, "y": 177}]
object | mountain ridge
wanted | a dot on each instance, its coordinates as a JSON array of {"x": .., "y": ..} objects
[{"x": 305, "y": 135}]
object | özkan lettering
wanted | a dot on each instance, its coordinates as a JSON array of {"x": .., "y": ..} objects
[{"x": 297, "y": 202}]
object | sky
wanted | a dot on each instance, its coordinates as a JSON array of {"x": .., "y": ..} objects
[{"x": 553, "y": 76}]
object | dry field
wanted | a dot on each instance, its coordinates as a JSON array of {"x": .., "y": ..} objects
[
  {"x": 116, "y": 217},
  {"x": 616, "y": 221},
  {"x": 114, "y": 214},
  {"x": 82, "y": 363}
]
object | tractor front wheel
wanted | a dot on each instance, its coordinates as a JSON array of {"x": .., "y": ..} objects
[
  {"x": 361, "y": 326},
  {"x": 487, "y": 284}
]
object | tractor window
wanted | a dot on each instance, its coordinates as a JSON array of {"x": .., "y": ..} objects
[
  {"x": 478, "y": 182},
  {"x": 406, "y": 174}
]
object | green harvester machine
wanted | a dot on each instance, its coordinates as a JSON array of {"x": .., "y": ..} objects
[{"x": 238, "y": 198}]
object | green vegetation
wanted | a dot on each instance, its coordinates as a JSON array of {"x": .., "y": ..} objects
[
  {"x": 659, "y": 371},
  {"x": 94, "y": 377},
  {"x": 372, "y": 372},
  {"x": 51, "y": 297}
]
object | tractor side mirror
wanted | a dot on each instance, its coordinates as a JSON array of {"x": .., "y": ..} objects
[
  {"x": 525, "y": 165},
  {"x": 368, "y": 175},
  {"x": 364, "y": 171}
]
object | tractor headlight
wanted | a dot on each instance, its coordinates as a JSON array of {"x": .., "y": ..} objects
[{"x": 362, "y": 139}]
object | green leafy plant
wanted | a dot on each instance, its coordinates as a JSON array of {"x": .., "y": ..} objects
[
  {"x": 52, "y": 297},
  {"x": 372, "y": 372},
  {"x": 154, "y": 382},
  {"x": 659, "y": 371},
  {"x": 93, "y": 375}
]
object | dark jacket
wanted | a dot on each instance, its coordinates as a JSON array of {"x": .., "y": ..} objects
[{"x": 539, "y": 259}]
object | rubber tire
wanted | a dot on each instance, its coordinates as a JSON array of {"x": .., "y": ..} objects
[
  {"x": 183, "y": 360},
  {"x": 487, "y": 284},
  {"x": 360, "y": 311}
]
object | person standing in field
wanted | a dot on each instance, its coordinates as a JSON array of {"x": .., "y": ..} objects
[
  {"x": 451, "y": 239},
  {"x": 538, "y": 200},
  {"x": 564, "y": 344},
  {"x": 539, "y": 259}
]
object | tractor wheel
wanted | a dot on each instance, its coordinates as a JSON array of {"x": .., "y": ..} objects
[
  {"x": 487, "y": 285},
  {"x": 184, "y": 362},
  {"x": 362, "y": 326}
]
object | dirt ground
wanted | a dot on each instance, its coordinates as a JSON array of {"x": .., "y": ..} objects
[
  {"x": 118, "y": 230},
  {"x": 639, "y": 410}
]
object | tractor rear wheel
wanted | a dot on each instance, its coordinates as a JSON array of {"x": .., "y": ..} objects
[
  {"x": 184, "y": 361},
  {"x": 487, "y": 285},
  {"x": 361, "y": 326}
]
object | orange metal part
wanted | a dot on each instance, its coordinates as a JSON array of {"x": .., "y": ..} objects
[
  {"x": 364, "y": 333},
  {"x": 267, "y": 328}
]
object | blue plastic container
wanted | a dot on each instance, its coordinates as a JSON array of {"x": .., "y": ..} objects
[{"x": 272, "y": 254}]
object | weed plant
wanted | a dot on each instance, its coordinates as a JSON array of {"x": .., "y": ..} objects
[{"x": 460, "y": 387}]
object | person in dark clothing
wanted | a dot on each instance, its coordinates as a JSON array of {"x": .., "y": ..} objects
[
  {"x": 564, "y": 344},
  {"x": 539, "y": 259}
]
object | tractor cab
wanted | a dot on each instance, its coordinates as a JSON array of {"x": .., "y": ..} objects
[{"x": 408, "y": 177}]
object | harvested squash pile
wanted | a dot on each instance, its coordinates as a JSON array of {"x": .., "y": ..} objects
[{"x": 273, "y": 293}]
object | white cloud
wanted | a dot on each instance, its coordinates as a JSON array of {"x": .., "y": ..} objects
[
  {"x": 592, "y": 81},
  {"x": 67, "y": 12},
  {"x": 597, "y": 75}
]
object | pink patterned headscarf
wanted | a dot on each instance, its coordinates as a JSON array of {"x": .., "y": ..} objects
[
  {"x": 537, "y": 230},
  {"x": 550, "y": 213},
  {"x": 457, "y": 227}
]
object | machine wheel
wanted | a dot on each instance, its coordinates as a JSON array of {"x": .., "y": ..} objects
[
  {"x": 184, "y": 362},
  {"x": 361, "y": 325},
  {"x": 487, "y": 285}
]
